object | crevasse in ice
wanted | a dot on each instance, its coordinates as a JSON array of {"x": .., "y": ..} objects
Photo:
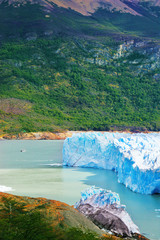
[{"x": 134, "y": 157}]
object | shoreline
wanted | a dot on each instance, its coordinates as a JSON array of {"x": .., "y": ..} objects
[{"x": 55, "y": 135}]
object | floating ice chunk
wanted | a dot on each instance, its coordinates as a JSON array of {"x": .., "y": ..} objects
[
  {"x": 134, "y": 157},
  {"x": 157, "y": 210}
]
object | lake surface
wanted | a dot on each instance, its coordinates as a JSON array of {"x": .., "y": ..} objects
[{"x": 37, "y": 172}]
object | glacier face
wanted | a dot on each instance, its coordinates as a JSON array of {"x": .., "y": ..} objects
[
  {"x": 134, "y": 157},
  {"x": 104, "y": 208}
]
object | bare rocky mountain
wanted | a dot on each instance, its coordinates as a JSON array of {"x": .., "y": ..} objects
[{"x": 88, "y": 7}]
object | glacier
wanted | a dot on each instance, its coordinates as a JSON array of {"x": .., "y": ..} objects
[
  {"x": 134, "y": 157},
  {"x": 103, "y": 207}
]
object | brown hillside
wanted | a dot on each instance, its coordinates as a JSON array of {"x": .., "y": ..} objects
[{"x": 62, "y": 215}]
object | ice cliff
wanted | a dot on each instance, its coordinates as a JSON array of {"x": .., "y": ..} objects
[
  {"x": 134, "y": 157},
  {"x": 104, "y": 209}
]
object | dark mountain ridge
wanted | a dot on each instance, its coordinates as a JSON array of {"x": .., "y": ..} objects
[{"x": 28, "y": 19}]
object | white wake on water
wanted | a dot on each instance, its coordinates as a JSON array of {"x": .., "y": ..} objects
[
  {"x": 5, "y": 189},
  {"x": 53, "y": 164}
]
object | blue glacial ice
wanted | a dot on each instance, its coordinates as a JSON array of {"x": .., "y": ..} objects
[
  {"x": 98, "y": 197},
  {"x": 134, "y": 157}
]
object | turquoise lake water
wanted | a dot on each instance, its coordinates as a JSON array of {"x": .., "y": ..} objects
[{"x": 37, "y": 172}]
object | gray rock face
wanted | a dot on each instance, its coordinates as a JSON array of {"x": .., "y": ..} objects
[
  {"x": 31, "y": 36},
  {"x": 105, "y": 219},
  {"x": 143, "y": 55}
]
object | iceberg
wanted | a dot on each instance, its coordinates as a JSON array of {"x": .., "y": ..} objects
[
  {"x": 104, "y": 209},
  {"x": 134, "y": 157}
]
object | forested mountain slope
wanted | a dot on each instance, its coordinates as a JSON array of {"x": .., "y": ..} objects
[{"x": 61, "y": 69}]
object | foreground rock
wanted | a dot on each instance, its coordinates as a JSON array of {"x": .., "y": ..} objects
[
  {"x": 104, "y": 209},
  {"x": 134, "y": 157}
]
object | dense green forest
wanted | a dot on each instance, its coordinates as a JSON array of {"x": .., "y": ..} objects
[
  {"x": 61, "y": 70},
  {"x": 63, "y": 83}
]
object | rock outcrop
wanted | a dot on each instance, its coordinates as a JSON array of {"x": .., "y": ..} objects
[
  {"x": 104, "y": 209},
  {"x": 38, "y": 136}
]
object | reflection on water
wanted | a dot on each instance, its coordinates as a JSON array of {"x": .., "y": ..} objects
[{"x": 36, "y": 172}]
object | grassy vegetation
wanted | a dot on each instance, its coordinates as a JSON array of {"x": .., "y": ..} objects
[
  {"x": 17, "y": 223},
  {"x": 32, "y": 219},
  {"x": 54, "y": 85},
  {"x": 146, "y": 26}
]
